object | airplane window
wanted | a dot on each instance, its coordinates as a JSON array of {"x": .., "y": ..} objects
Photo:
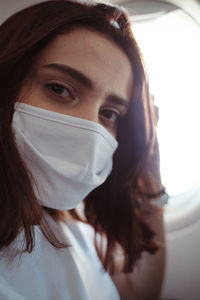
[{"x": 171, "y": 48}]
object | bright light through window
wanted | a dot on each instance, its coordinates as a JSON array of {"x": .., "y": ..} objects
[{"x": 171, "y": 49}]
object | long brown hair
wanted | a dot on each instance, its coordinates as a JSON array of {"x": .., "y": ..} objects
[{"x": 113, "y": 208}]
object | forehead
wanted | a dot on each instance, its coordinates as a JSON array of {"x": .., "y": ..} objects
[{"x": 93, "y": 54}]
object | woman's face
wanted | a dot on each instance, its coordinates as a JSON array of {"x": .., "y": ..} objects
[{"x": 81, "y": 74}]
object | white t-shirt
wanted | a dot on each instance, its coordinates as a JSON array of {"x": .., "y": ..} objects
[{"x": 48, "y": 273}]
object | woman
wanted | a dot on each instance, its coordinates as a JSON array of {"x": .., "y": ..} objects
[{"x": 74, "y": 95}]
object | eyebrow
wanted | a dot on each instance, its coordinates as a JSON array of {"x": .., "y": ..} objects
[{"x": 87, "y": 82}]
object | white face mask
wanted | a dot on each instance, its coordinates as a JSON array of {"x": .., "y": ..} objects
[{"x": 68, "y": 157}]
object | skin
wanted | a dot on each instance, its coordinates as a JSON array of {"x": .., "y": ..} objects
[{"x": 101, "y": 93}]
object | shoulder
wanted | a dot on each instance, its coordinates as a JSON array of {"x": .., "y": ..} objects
[{"x": 7, "y": 292}]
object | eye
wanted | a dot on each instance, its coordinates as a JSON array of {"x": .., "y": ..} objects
[
  {"x": 60, "y": 90},
  {"x": 110, "y": 115}
]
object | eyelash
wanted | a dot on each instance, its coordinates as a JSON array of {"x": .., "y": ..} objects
[
  {"x": 117, "y": 115},
  {"x": 51, "y": 88}
]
